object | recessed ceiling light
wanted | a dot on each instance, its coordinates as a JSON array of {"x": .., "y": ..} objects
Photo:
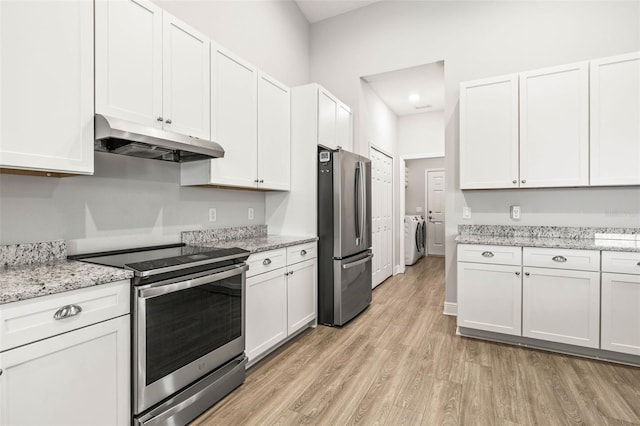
[{"x": 414, "y": 97}]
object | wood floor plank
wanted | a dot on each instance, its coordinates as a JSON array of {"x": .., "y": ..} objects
[{"x": 401, "y": 362}]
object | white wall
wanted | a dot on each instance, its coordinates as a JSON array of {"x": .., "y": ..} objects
[
  {"x": 380, "y": 126},
  {"x": 414, "y": 194},
  {"x": 481, "y": 39},
  {"x": 421, "y": 135},
  {"x": 131, "y": 201}
]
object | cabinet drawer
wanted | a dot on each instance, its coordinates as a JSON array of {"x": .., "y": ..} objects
[
  {"x": 622, "y": 262},
  {"x": 301, "y": 252},
  {"x": 503, "y": 255},
  {"x": 30, "y": 320},
  {"x": 266, "y": 261},
  {"x": 581, "y": 260}
]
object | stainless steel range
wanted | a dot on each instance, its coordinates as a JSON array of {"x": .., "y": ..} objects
[{"x": 187, "y": 327}]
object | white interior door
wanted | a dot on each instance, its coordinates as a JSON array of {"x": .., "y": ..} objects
[
  {"x": 435, "y": 211},
  {"x": 381, "y": 216}
]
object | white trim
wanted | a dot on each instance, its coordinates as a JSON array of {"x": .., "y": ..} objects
[
  {"x": 421, "y": 156},
  {"x": 372, "y": 145},
  {"x": 450, "y": 309},
  {"x": 399, "y": 269}
]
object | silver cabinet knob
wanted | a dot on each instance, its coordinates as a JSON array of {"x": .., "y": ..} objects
[
  {"x": 159, "y": 119},
  {"x": 526, "y": 274},
  {"x": 560, "y": 259},
  {"x": 261, "y": 181},
  {"x": 638, "y": 263},
  {"x": 266, "y": 262},
  {"x": 487, "y": 254},
  {"x": 256, "y": 180},
  {"x": 168, "y": 121},
  {"x": 0, "y": 371},
  {"x": 523, "y": 181},
  {"x": 514, "y": 181},
  {"x": 518, "y": 274},
  {"x": 67, "y": 312},
  {"x": 303, "y": 252}
]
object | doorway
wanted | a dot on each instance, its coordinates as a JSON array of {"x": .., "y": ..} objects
[
  {"x": 381, "y": 215},
  {"x": 434, "y": 199}
]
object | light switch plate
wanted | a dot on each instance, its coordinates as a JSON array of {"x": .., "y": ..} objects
[
  {"x": 466, "y": 212},
  {"x": 212, "y": 214},
  {"x": 250, "y": 213}
]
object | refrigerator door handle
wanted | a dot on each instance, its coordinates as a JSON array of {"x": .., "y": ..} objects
[
  {"x": 357, "y": 262},
  {"x": 363, "y": 210},
  {"x": 356, "y": 205}
]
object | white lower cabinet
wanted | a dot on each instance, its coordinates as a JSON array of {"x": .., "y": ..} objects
[
  {"x": 281, "y": 299},
  {"x": 77, "y": 378},
  {"x": 561, "y": 306},
  {"x": 266, "y": 311},
  {"x": 490, "y": 297}
]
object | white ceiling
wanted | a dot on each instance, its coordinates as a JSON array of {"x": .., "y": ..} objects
[
  {"x": 395, "y": 87},
  {"x": 317, "y": 10}
]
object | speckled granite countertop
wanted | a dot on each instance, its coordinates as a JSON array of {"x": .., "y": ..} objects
[
  {"x": 29, "y": 281},
  {"x": 260, "y": 243},
  {"x": 39, "y": 269},
  {"x": 609, "y": 239}
]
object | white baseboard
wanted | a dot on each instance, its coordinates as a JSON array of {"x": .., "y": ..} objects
[
  {"x": 450, "y": 309},
  {"x": 398, "y": 270}
]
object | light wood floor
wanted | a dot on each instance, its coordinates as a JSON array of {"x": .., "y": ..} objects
[{"x": 400, "y": 362}]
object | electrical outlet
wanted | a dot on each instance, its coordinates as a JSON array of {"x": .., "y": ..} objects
[
  {"x": 418, "y": 209},
  {"x": 250, "y": 213},
  {"x": 466, "y": 212},
  {"x": 515, "y": 212},
  {"x": 212, "y": 214}
]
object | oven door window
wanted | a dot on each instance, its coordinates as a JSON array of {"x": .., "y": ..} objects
[{"x": 187, "y": 324}]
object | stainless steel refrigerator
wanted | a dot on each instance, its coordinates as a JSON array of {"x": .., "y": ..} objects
[{"x": 344, "y": 228}]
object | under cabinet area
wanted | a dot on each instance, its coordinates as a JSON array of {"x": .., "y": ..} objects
[
  {"x": 46, "y": 87},
  {"x": 281, "y": 297},
  {"x": 151, "y": 68},
  {"x": 69, "y": 354}
]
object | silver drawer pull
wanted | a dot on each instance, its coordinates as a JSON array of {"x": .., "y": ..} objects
[
  {"x": 487, "y": 254},
  {"x": 518, "y": 274},
  {"x": 266, "y": 262},
  {"x": 67, "y": 311},
  {"x": 526, "y": 274},
  {"x": 560, "y": 259},
  {"x": 303, "y": 252}
]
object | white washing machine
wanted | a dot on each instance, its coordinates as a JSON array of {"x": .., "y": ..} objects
[{"x": 414, "y": 238}]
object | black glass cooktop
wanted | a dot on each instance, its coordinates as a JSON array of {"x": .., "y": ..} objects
[{"x": 169, "y": 257}]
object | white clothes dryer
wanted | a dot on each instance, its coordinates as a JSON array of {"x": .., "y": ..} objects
[{"x": 414, "y": 238}]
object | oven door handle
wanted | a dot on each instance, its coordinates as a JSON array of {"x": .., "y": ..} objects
[{"x": 148, "y": 293}]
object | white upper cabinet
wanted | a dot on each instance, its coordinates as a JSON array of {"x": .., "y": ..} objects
[
  {"x": 489, "y": 133},
  {"x": 344, "y": 127},
  {"x": 554, "y": 126},
  {"x": 129, "y": 61},
  {"x": 46, "y": 86},
  {"x": 327, "y": 119},
  {"x": 185, "y": 75},
  {"x": 615, "y": 120},
  {"x": 274, "y": 133},
  {"x": 151, "y": 68}
]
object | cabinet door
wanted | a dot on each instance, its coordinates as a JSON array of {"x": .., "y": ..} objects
[
  {"x": 234, "y": 119},
  {"x": 561, "y": 306},
  {"x": 327, "y": 119},
  {"x": 77, "y": 378},
  {"x": 554, "y": 126},
  {"x": 489, "y": 133},
  {"x": 46, "y": 86},
  {"x": 186, "y": 79},
  {"x": 274, "y": 134},
  {"x": 129, "y": 60},
  {"x": 621, "y": 313},
  {"x": 490, "y": 297},
  {"x": 344, "y": 127},
  {"x": 301, "y": 294},
  {"x": 266, "y": 312},
  {"x": 615, "y": 120}
]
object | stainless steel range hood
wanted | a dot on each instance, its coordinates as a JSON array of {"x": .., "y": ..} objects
[{"x": 127, "y": 138}]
